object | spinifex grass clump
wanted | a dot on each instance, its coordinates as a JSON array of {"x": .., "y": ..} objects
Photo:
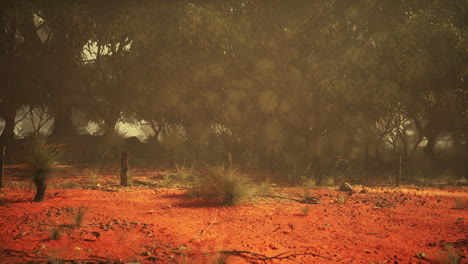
[
  {"x": 55, "y": 234},
  {"x": 79, "y": 216},
  {"x": 451, "y": 256},
  {"x": 42, "y": 161},
  {"x": 226, "y": 184},
  {"x": 182, "y": 176}
]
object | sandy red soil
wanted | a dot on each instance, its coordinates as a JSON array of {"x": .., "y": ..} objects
[{"x": 148, "y": 224}]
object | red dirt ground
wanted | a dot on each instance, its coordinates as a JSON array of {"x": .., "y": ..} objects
[{"x": 160, "y": 225}]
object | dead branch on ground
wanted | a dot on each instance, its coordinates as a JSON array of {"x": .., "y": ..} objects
[
  {"x": 203, "y": 231},
  {"x": 251, "y": 256}
]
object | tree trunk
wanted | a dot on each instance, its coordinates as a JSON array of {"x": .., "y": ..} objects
[
  {"x": 317, "y": 168},
  {"x": 63, "y": 125},
  {"x": 378, "y": 156},
  {"x": 315, "y": 150},
  {"x": 367, "y": 151},
  {"x": 431, "y": 135},
  {"x": 429, "y": 148},
  {"x": 123, "y": 169},
  {"x": 110, "y": 122},
  {"x": 8, "y": 112},
  {"x": 41, "y": 187},
  {"x": 272, "y": 157}
]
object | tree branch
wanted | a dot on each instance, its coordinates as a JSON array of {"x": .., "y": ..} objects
[{"x": 263, "y": 258}]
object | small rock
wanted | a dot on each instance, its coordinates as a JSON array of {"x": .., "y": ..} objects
[
  {"x": 346, "y": 187},
  {"x": 274, "y": 247},
  {"x": 421, "y": 255}
]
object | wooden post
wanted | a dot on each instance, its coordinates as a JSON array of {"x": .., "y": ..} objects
[
  {"x": 229, "y": 160},
  {"x": 123, "y": 168},
  {"x": 317, "y": 169},
  {"x": 2, "y": 163},
  {"x": 399, "y": 174}
]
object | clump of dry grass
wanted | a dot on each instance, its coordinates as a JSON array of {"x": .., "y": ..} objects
[
  {"x": 451, "y": 255},
  {"x": 80, "y": 215},
  {"x": 228, "y": 185},
  {"x": 55, "y": 234},
  {"x": 305, "y": 210},
  {"x": 183, "y": 176}
]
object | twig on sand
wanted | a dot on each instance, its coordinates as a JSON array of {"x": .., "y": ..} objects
[
  {"x": 251, "y": 256},
  {"x": 305, "y": 200},
  {"x": 43, "y": 258},
  {"x": 203, "y": 231}
]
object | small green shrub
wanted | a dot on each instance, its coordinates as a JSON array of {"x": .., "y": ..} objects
[{"x": 228, "y": 185}]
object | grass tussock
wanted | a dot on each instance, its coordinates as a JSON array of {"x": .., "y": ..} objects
[
  {"x": 183, "y": 176},
  {"x": 221, "y": 258},
  {"x": 305, "y": 210},
  {"x": 228, "y": 185},
  {"x": 43, "y": 159},
  {"x": 55, "y": 234},
  {"x": 459, "y": 204},
  {"x": 80, "y": 216},
  {"x": 451, "y": 255}
]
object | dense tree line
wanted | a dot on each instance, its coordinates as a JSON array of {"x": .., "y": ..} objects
[{"x": 295, "y": 86}]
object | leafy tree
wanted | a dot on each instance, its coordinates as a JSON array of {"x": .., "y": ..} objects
[
  {"x": 67, "y": 28},
  {"x": 111, "y": 62},
  {"x": 426, "y": 55},
  {"x": 19, "y": 56}
]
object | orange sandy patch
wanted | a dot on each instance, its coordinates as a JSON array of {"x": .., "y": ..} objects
[{"x": 382, "y": 225}]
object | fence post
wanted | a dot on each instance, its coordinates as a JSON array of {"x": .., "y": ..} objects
[
  {"x": 398, "y": 181},
  {"x": 2, "y": 163},
  {"x": 123, "y": 168}
]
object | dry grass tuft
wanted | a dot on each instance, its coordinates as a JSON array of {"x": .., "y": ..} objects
[{"x": 228, "y": 185}]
